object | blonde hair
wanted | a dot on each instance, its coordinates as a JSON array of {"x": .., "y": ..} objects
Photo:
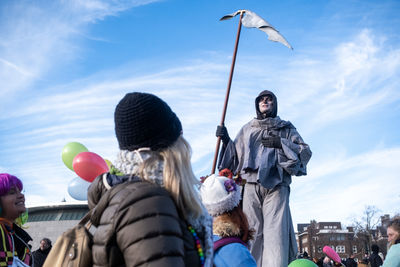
[
  {"x": 178, "y": 176},
  {"x": 395, "y": 225}
]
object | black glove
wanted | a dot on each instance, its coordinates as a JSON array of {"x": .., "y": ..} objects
[
  {"x": 272, "y": 141},
  {"x": 223, "y": 133}
]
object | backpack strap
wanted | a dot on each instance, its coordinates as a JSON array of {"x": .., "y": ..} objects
[
  {"x": 86, "y": 219},
  {"x": 227, "y": 240}
]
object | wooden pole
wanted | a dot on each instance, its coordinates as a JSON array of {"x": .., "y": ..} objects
[{"x": 228, "y": 89}]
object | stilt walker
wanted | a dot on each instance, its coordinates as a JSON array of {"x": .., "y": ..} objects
[{"x": 266, "y": 153}]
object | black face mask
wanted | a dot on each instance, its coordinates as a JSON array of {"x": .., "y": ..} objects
[{"x": 271, "y": 113}]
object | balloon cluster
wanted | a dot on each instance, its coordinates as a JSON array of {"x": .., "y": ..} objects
[{"x": 87, "y": 165}]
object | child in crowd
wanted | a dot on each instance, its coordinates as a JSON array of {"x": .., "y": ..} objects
[
  {"x": 221, "y": 197},
  {"x": 14, "y": 250}
]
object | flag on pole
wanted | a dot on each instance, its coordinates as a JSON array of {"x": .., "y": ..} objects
[{"x": 252, "y": 20}]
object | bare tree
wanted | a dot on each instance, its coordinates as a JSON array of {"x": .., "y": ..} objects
[{"x": 365, "y": 228}]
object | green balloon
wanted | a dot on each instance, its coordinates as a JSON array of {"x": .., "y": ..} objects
[
  {"x": 302, "y": 263},
  {"x": 69, "y": 152}
]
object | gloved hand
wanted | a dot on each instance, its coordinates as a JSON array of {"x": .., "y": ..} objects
[
  {"x": 223, "y": 133},
  {"x": 272, "y": 141}
]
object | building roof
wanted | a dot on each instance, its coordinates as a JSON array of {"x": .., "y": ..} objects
[
  {"x": 333, "y": 231},
  {"x": 57, "y": 206},
  {"x": 302, "y": 227},
  {"x": 57, "y": 211}
]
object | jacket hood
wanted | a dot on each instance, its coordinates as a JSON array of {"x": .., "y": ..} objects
[{"x": 275, "y": 107}]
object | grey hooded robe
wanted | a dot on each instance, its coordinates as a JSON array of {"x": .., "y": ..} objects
[{"x": 268, "y": 173}]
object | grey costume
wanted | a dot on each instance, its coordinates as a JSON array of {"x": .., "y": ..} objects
[{"x": 268, "y": 173}]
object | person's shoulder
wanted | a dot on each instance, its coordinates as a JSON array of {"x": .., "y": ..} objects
[
  {"x": 237, "y": 253},
  {"x": 250, "y": 123},
  {"x": 283, "y": 123},
  {"x": 396, "y": 248},
  {"x": 143, "y": 185},
  {"x": 142, "y": 199},
  {"x": 237, "y": 247},
  {"x": 21, "y": 233},
  {"x": 135, "y": 191},
  {"x": 234, "y": 248},
  {"x": 102, "y": 184}
]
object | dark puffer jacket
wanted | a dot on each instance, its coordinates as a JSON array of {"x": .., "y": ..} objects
[
  {"x": 140, "y": 226},
  {"x": 39, "y": 256}
]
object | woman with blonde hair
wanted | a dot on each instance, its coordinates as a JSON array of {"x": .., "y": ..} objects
[
  {"x": 393, "y": 255},
  {"x": 153, "y": 216}
]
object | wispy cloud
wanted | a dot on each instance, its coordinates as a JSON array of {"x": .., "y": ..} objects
[
  {"x": 13, "y": 66},
  {"x": 41, "y": 36}
]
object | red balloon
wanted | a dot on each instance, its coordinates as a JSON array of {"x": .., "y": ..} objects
[{"x": 89, "y": 165}]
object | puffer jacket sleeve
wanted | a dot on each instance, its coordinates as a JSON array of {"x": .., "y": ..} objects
[{"x": 147, "y": 227}]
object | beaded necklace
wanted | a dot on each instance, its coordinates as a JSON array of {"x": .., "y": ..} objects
[{"x": 198, "y": 245}]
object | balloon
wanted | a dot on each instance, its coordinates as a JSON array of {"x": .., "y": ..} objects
[
  {"x": 331, "y": 254},
  {"x": 77, "y": 188},
  {"x": 89, "y": 165},
  {"x": 69, "y": 152},
  {"x": 22, "y": 219},
  {"x": 302, "y": 263},
  {"x": 109, "y": 163}
]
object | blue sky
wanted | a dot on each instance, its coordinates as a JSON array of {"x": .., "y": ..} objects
[{"x": 64, "y": 65}]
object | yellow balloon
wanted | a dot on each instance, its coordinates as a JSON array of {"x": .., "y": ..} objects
[{"x": 109, "y": 164}]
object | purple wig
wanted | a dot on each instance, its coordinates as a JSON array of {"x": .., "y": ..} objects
[{"x": 8, "y": 181}]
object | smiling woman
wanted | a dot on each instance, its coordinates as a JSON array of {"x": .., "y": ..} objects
[{"x": 14, "y": 250}]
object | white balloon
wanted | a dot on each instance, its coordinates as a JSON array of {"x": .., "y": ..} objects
[{"x": 77, "y": 188}]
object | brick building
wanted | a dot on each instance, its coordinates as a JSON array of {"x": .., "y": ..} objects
[{"x": 313, "y": 236}]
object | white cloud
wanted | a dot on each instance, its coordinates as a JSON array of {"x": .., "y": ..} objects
[
  {"x": 41, "y": 36},
  {"x": 344, "y": 185},
  {"x": 361, "y": 74}
]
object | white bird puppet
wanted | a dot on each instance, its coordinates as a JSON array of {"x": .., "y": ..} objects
[{"x": 252, "y": 20}]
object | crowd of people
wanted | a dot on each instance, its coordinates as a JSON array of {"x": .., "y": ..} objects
[
  {"x": 374, "y": 259},
  {"x": 160, "y": 214}
]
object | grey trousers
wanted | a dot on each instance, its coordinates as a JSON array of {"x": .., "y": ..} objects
[{"x": 268, "y": 213}]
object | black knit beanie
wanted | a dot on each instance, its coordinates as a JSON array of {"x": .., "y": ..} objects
[{"x": 144, "y": 120}]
